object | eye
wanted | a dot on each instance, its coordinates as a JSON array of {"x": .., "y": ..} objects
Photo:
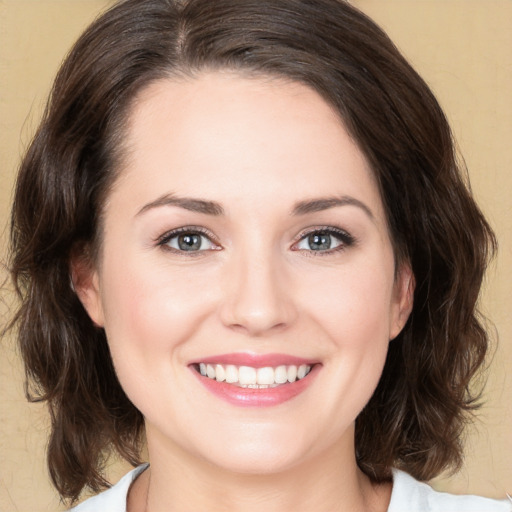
[
  {"x": 187, "y": 240},
  {"x": 324, "y": 240}
]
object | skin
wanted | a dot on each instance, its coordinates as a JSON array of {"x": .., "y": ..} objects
[{"x": 257, "y": 147}]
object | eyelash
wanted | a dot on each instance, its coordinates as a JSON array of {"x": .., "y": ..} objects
[
  {"x": 346, "y": 239},
  {"x": 164, "y": 240}
]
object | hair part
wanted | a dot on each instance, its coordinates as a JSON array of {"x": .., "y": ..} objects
[{"x": 416, "y": 416}]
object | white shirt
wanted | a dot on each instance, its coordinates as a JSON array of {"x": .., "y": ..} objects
[{"x": 408, "y": 495}]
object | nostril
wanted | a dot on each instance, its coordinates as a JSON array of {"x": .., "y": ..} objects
[
  {"x": 257, "y": 329},
  {"x": 257, "y": 301}
]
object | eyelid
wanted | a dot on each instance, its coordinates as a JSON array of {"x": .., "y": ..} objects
[
  {"x": 346, "y": 238},
  {"x": 164, "y": 239}
]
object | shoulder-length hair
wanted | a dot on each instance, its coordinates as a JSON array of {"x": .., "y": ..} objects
[{"x": 415, "y": 418}]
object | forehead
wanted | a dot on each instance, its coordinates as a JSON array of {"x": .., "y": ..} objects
[{"x": 225, "y": 136}]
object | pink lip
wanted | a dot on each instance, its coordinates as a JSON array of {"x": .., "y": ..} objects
[
  {"x": 247, "y": 397},
  {"x": 255, "y": 360}
]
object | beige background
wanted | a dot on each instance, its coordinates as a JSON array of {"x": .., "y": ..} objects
[{"x": 463, "y": 48}]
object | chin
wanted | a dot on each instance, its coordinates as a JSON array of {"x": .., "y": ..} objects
[
  {"x": 258, "y": 461},
  {"x": 262, "y": 453}
]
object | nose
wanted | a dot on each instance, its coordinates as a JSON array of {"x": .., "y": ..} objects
[{"x": 257, "y": 296}]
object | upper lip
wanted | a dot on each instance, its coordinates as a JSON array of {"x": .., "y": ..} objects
[{"x": 255, "y": 360}]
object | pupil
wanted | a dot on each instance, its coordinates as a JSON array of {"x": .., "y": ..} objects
[
  {"x": 189, "y": 242},
  {"x": 319, "y": 241}
]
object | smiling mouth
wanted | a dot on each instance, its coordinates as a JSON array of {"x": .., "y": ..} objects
[{"x": 254, "y": 378}]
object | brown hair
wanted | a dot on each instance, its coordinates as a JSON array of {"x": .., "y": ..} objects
[{"x": 415, "y": 418}]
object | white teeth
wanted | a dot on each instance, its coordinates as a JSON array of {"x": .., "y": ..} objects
[
  {"x": 220, "y": 374},
  {"x": 249, "y": 377},
  {"x": 292, "y": 373},
  {"x": 231, "y": 374},
  {"x": 265, "y": 375},
  {"x": 246, "y": 375},
  {"x": 281, "y": 375},
  {"x": 210, "y": 371},
  {"x": 302, "y": 371}
]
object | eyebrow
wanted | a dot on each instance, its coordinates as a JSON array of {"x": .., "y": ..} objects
[
  {"x": 188, "y": 203},
  {"x": 214, "y": 208},
  {"x": 325, "y": 203}
]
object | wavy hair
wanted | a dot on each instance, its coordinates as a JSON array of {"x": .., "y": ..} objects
[{"x": 416, "y": 416}]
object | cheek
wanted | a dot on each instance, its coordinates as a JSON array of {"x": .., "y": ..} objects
[
  {"x": 150, "y": 310},
  {"x": 353, "y": 313},
  {"x": 355, "y": 307},
  {"x": 357, "y": 332},
  {"x": 149, "y": 318}
]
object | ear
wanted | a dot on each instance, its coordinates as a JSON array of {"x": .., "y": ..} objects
[
  {"x": 85, "y": 282},
  {"x": 403, "y": 299}
]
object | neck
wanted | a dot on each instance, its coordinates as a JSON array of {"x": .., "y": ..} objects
[{"x": 179, "y": 482}]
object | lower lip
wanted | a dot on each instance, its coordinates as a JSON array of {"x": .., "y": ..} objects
[{"x": 249, "y": 397}]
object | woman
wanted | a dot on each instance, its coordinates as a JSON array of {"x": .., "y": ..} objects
[{"x": 240, "y": 234}]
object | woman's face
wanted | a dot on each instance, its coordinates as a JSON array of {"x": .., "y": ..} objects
[{"x": 245, "y": 238}]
